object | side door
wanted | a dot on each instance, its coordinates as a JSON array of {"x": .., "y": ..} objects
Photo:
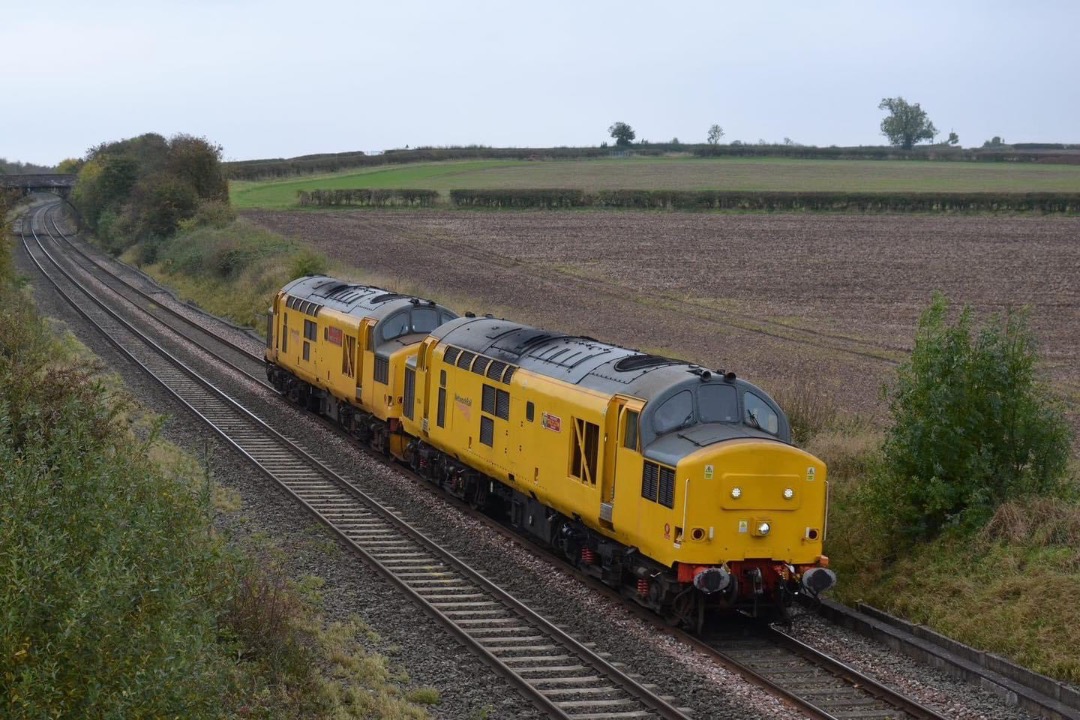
[
  {"x": 366, "y": 364},
  {"x": 423, "y": 383},
  {"x": 622, "y": 453}
]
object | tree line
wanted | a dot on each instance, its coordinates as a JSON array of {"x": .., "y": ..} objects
[
  {"x": 144, "y": 187},
  {"x": 906, "y": 125},
  {"x": 553, "y": 198}
]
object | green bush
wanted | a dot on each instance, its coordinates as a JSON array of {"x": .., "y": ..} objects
[
  {"x": 209, "y": 213},
  {"x": 307, "y": 262},
  {"x": 971, "y": 427}
]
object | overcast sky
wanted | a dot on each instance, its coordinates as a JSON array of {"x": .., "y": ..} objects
[{"x": 267, "y": 78}]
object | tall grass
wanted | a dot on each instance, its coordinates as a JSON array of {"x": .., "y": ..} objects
[{"x": 231, "y": 269}]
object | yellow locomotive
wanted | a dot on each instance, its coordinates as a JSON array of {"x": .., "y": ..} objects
[
  {"x": 672, "y": 482},
  {"x": 339, "y": 349}
]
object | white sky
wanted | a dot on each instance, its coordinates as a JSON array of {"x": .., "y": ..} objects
[{"x": 269, "y": 78}]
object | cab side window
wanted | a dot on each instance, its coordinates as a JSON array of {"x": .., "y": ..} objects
[
  {"x": 675, "y": 412},
  {"x": 759, "y": 415},
  {"x": 630, "y": 434}
]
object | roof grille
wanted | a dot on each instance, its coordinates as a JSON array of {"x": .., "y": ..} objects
[
  {"x": 465, "y": 360},
  {"x": 481, "y": 365},
  {"x": 495, "y": 370}
]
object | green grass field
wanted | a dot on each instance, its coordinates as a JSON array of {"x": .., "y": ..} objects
[{"x": 679, "y": 173}]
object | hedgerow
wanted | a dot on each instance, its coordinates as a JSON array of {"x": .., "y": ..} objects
[
  {"x": 769, "y": 200},
  {"x": 334, "y": 162},
  {"x": 368, "y": 197}
]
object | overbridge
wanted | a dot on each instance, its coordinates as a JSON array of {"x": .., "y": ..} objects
[{"x": 55, "y": 183}]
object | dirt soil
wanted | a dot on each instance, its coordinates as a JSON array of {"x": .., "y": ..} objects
[{"x": 824, "y": 301}]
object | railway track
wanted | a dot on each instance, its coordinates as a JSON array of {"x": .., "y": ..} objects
[
  {"x": 239, "y": 358},
  {"x": 560, "y": 675},
  {"x": 818, "y": 684}
]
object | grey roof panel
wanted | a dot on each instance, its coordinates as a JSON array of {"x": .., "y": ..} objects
[
  {"x": 611, "y": 369},
  {"x": 579, "y": 360},
  {"x": 351, "y": 298}
]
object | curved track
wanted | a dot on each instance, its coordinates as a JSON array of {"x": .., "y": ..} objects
[{"x": 560, "y": 675}]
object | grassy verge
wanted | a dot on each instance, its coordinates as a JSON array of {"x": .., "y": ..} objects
[
  {"x": 231, "y": 271},
  {"x": 118, "y": 598}
]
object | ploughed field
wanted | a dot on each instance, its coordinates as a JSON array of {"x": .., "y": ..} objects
[{"x": 824, "y": 301}]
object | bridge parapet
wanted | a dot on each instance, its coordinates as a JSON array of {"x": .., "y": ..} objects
[{"x": 54, "y": 183}]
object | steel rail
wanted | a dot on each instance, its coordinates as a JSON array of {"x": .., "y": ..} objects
[{"x": 93, "y": 267}]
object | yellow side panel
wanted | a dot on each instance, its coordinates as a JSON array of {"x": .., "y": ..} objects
[
  {"x": 706, "y": 525},
  {"x": 536, "y": 454},
  {"x": 335, "y": 330},
  {"x": 546, "y": 444}
]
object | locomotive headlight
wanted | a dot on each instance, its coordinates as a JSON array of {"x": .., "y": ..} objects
[
  {"x": 789, "y": 493},
  {"x": 736, "y": 493},
  {"x": 763, "y": 529}
]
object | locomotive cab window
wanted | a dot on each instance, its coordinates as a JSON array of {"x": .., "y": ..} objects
[
  {"x": 718, "y": 403},
  {"x": 416, "y": 320},
  {"x": 311, "y": 330},
  {"x": 674, "y": 413},
  {"x": 759, "y": 415},
  {"x": 394, "y": 326}
]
